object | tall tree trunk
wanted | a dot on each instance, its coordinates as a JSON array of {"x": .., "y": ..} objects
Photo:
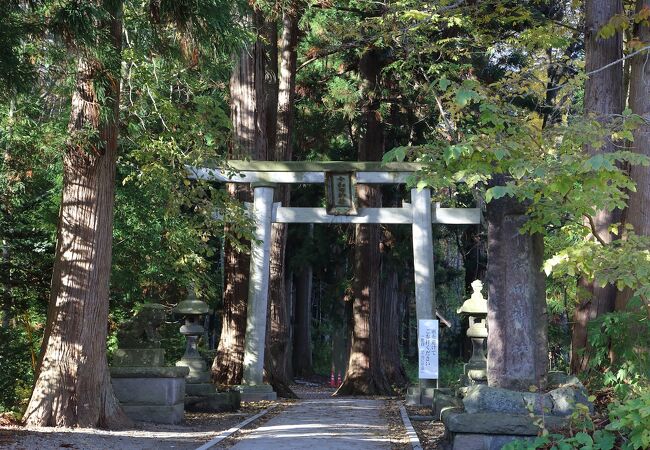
[
  {"x": 271, "y": 82},
  {"x": 392, "y": 300},
  {"x": 247, "y": 112},
  {"x": 73, "y": 386},
  {"x": 302, "y": 357},
  {"x": 227, "y": 367},
  {"x": 603, "y": 99},
  {"x": 364, "y": 373},
  {"x": 638, "y": 208},
  {"x": 278, "y": 356},
  {"x": 392, "y": 309}
]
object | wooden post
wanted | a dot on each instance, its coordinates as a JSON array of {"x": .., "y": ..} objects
[
  {"x": 258, "y": 289},
  {"x": 425, "y": 300}
]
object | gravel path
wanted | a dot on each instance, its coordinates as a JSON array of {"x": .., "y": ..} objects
[
  {"x": 335, "y": 423},
  {"x": 197, "y": 429},
  {"x": 317, "y": 421}
]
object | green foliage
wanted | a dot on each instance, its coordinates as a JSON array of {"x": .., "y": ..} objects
[
  {"x": 631, "y": 421},
  {"x": 624, "y": 263},
  {"x": 450, "y": 371},
  {"x": 623, "y": 334},
  {"x": 17, "y": 372}
]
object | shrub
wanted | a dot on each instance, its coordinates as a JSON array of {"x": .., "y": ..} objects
[{"x": 16, "y": 376}]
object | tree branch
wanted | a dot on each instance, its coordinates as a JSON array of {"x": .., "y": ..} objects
[{"x": 592, "y": 226}]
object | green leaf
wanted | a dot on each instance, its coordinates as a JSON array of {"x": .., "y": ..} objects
[
  {"x": 584, "y": 439},
  {"x": 464, "y": 96},
  {"x": 497, "y": 192},
  {"x": 603, "y": 440},
  {"x": 396, "y": 154}
]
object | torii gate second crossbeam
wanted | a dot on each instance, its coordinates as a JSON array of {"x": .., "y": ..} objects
[{"x": 263, "y": 177}]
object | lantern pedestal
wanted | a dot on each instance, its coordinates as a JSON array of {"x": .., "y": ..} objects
[{"x": 200, "y": 394}]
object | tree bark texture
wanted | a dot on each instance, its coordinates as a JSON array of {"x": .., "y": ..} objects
[
  {"x": 247, "y": 112},
  {"x": 73, "y": 386},
  {"x": 603, "y": 100},
  {"x": 364, "y": 374},
  {"x": 392, "y": 310},
  {"x": 279, "y": 343},
  {"x": 302, "y": 356},
  {"x": 638, "y": 207},
  {"x": 227, "y": 367},
  {"x": 392, "y": 299}
]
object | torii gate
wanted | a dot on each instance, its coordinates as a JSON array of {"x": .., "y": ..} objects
[{"x": 340, "y": 178}]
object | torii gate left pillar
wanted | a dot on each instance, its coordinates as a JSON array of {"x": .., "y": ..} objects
[{"x": 253, "y": 387}]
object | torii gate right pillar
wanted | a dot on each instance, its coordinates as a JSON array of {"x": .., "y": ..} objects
[{"x": 423, "y": 268}]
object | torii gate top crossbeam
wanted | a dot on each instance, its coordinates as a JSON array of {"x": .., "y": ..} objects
[{"x": 304, "y": 172}]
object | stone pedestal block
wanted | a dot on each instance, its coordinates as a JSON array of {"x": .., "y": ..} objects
[
  {"x": 150, "y": 391},
  {"x": 417, "y": 396},
  {"x": 197, "y": 389},
  {"x": 214, "y": 402},
  {"x": 151, "y": 394},
  {"x": 256, "y": 393},
  {"x": 491, "y": 431}
]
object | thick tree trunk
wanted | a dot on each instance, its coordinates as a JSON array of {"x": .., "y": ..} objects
[
  {"x": 279, "y": 356},
  {"x": 271, "y": 82},
  {"x": 227, "y": 367},
  {"x": 392, "y": 309},
  {"x": 638, "y": 208},
  {"x": 73, "y": 387},
  {"x": 364, "y": 373},
  {"x": 302, "y": 357},
  {"x": 247, "y": 112},
  {"x": 603, "y": 99},
  {"x": 392, "y": 303}
]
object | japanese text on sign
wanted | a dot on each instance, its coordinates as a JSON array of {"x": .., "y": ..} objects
[{"x": 428, "y": 349}]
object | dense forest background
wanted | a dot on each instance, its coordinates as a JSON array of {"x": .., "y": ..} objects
[{"x": 542, "y": 100}]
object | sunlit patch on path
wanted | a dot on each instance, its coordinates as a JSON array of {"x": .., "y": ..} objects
[{"x": 322, "y": 424}]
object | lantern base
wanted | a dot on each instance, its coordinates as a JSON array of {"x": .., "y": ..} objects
[{"x": 256, "y": 393}]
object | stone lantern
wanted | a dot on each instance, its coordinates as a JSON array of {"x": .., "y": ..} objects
[
  {"x": 193, "y": 309},
  {"x": 200, "y": 393},
  {"x": 476, "y": 308}
]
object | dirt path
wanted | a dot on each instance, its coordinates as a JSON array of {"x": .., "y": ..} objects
[
  {"x": 316, "y": 421},
  {"x": 345, "y": 423},
  {"x": 197, "y": 429}
]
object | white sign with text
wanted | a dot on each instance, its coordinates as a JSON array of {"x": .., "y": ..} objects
[{"x": 428, "y": 349}]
